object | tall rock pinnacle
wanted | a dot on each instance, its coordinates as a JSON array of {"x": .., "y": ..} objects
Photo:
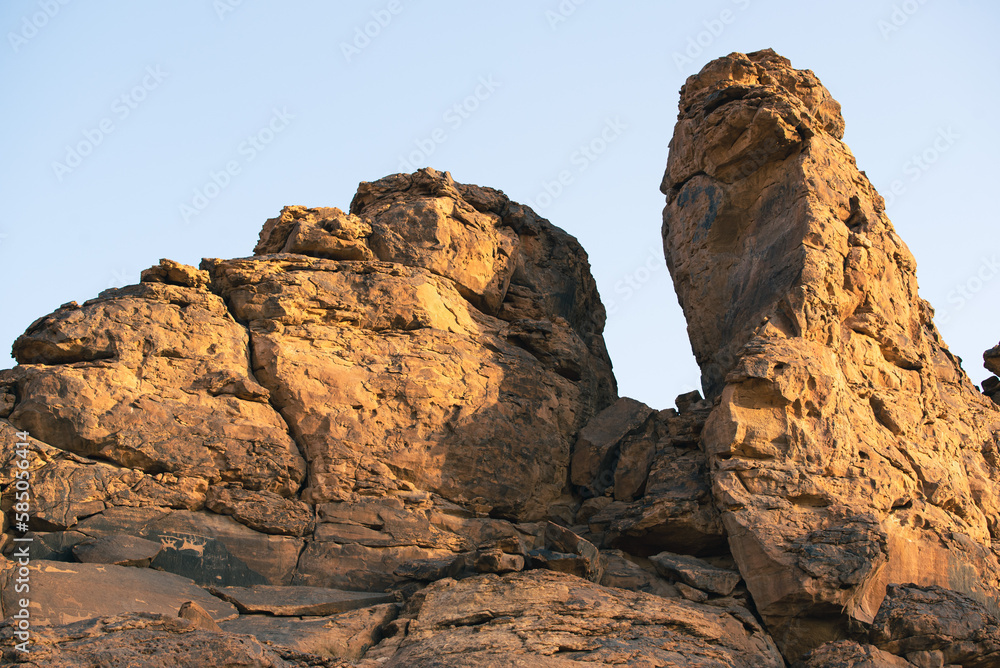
[{"x": 848, "y": 449}]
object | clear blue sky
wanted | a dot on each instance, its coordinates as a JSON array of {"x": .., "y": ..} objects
[{"x": 169, "y": 93}]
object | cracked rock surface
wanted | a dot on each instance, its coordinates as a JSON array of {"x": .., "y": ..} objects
[
  {"x": 848, "y": 449},
  {"x": 391, "y": 436}
]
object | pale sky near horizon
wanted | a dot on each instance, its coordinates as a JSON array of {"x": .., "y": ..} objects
[{"x": 118, "y": 115}]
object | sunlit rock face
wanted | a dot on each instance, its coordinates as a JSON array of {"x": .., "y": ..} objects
[
  {"x": 391, "y": 436},
  {"x": 848, "y": 450}
]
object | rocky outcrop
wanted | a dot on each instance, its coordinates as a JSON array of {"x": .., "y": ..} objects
[
  {"x": 645, "y": 482},
  {"x": 920, "y": 626},
  {"x": 396, "y": 368},
  {"x": 414, "y": 371},
  {"x": 149, "y": 639},
  {"x": 292, "y": 446},
  {"x": 550, "y": 619},
  {"x": 63, "y": 593},
  {"x": 154, "y": 378},
  {"x": 991, "y": 386},
  {"x": 847, "y": 448},
  {"x": 391, "y": 436}
]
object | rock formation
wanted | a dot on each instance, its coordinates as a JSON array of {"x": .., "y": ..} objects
[
  {"x": 991, "y": 386},
  {"x": 358, "y": 444},
  {"x": 847, "y": 448},
  {"x": 391, "y": 437}
]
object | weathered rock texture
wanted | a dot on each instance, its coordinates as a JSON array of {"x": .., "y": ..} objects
[
  {"x": 148, "y": 639},
  {"x": 565, "y": 621},
  {"x": 306, "y": 439},
  {"x": 371, "y": 389},
  {"x": 847, "y": 448},
  {"x": 391, "y": 437},
  {"x": 415, "y": 370},
  {"x": 63, "y": 593},
  {"x": 645, "y": 480},
  {"x": 919, "y": 626}
]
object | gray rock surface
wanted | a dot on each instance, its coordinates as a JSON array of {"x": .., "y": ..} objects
[
  {"x": 62, "y": 592},
  {"x": 297, "y": 601}
]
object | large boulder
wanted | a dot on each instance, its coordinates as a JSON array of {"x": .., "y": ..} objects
[
  {"x": 645, "y": 480},
  {"x": 374, "y": 399},
  {"x": 415, "y": 371},
  {"x": 62, "y": 593},
  {"x": 553, "y": 619},
  {"x": 848, "y": 449},
  {"x": 151, "y": 640},
  {"x": 155, "y": 378}
]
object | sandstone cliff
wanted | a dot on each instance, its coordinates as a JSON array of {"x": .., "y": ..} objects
[
  {"x": 848, "y": 450},
  {"x": 392, "y": 437}
]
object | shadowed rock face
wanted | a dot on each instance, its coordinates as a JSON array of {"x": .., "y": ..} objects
[{"x": 848, "y": 449}]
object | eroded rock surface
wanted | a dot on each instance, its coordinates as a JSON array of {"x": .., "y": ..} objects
[
  {"x": 391, "y": 436},
  {"x": 414, "y": 371},
  {"x": 374, "y": 401},
  {"x": 645, "y": 480},
  {"x": 152, "y": 641},
  {"x": 345, "y": 636},
  {"x": 550, "y": 619},
  {"x": 154, "y": 378},
  {"x": 62, "y": 593},
  {"x": 848, "y": 450}
]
